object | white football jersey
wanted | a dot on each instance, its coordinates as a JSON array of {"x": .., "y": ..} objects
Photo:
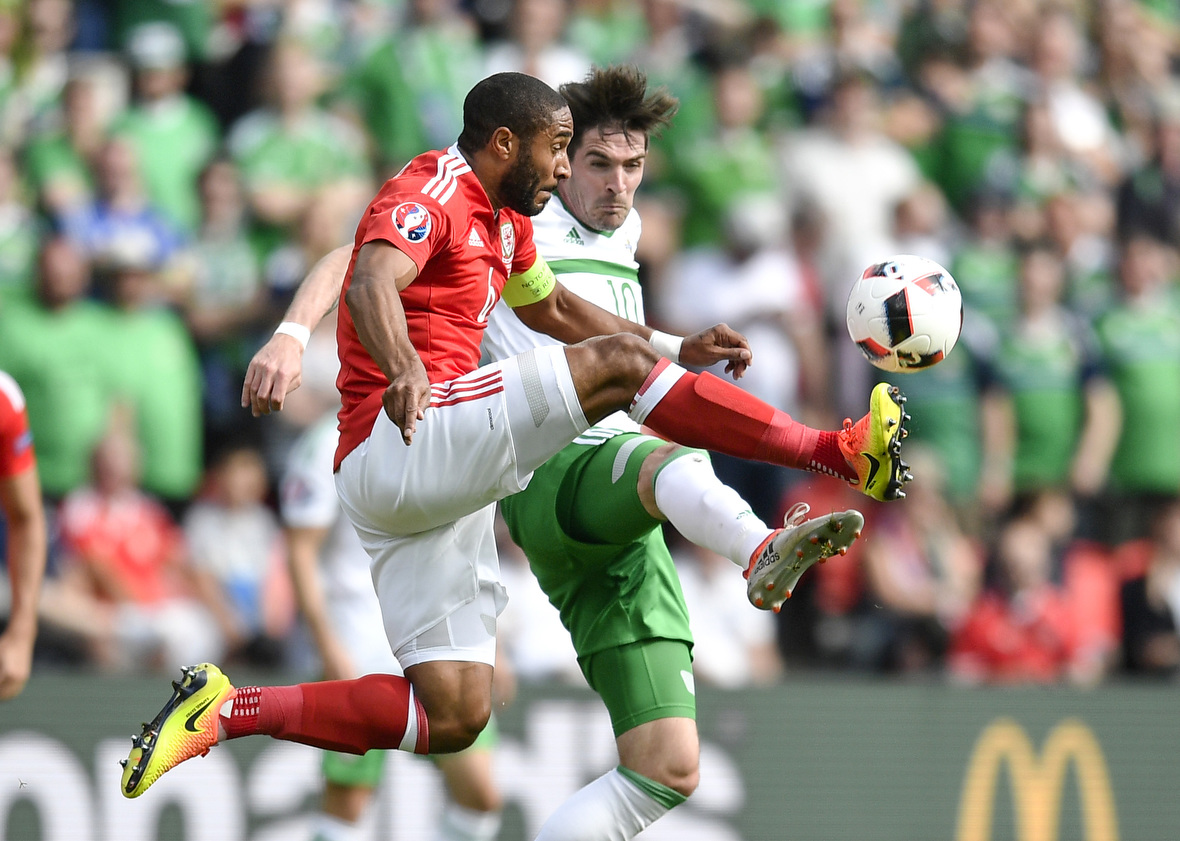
[
  {"x": 308, "y": 499},
  {"x": 598, "y": 267}
]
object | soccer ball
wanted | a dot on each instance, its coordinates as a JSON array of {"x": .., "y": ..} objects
[{"x": 905, "y": 313}]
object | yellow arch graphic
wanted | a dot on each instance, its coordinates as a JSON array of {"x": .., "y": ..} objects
[{"x": 1037, "y": 785}]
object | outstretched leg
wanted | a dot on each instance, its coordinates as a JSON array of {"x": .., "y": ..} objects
[
  {"x": 700, "y": 410},
  {"x": 376, "y": 711}
]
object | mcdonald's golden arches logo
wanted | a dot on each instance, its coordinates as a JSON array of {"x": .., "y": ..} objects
[{"x": 1037, "y": 783}]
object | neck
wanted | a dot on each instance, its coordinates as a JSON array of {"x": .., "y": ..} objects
[
  {"x": 487, "y": 172},
  {"x": 568, "y": 205}
]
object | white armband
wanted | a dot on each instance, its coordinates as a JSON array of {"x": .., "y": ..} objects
[
  {"x": 296, "y": 331},
  {"x": 667, "y": 344}
]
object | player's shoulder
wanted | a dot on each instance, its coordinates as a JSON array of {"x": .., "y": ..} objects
[
  {"x": 427, "y": 192},
  {"x": 434, "y": 176}
]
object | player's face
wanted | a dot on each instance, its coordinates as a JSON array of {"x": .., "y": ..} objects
[
  {"x": 540, "y": 166},
  {"x": 605, "y": 171}
]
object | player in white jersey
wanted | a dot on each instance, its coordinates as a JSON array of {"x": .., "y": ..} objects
[
  {"x": 589, "y": 522},
  {"x": 334, "y": 587},
  {"x": 590, "y": 518},
  {"x": 600, "y": 266}
]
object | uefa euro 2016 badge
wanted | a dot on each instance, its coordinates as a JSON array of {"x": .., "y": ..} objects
[
  {"x": 507, "y": 242},
  {"x": 412, "y": 221}
]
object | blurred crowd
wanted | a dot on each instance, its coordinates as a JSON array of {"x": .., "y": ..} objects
[{"x": 169, "y": 170}]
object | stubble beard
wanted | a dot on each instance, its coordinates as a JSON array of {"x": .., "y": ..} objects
[{"x": 520, "y": 186}]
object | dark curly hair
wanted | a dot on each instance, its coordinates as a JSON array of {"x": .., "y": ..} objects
[{"x": 616, "y": 97}]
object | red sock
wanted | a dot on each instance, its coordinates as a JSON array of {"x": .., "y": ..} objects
[
  {"x": 701, "y": 410},
  {"x": 354, "y": 716}
]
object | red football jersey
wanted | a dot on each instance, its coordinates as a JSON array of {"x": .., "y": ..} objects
[
  {"x": 16, "y": 441},
  {"x": 436, "y": 211}
]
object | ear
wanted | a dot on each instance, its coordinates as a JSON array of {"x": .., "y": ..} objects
[{"x": 504, "y": 143}]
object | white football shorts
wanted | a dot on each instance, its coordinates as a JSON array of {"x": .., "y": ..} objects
[{"x": 425, "y": 512}]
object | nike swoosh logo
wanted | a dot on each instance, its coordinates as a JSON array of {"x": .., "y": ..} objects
[
  {"x": 874, "y": 466},
  {"x": 191, "y": 721}
]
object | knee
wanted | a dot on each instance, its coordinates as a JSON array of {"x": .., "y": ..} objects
[
  {"x": 627, "y": 355},
  {"x": 680, "y": 772},
  {"x": 683, "y": 779},
  {"x": 457, "y": 728}
]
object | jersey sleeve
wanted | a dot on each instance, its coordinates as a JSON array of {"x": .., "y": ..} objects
[
  {"x": 412, "y": 223},
  {"x": 16, "y": 439}
]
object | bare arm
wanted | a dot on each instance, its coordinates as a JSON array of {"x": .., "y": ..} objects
[
  {"x": 20, "y": 498},
  {"x": 275, "y": 370},
  {"x": 571, "y": 318},
  {"x": 1099, "y": 437},
  {"x": 374, "y": 302},
  {"x": 303, "y": 554},
  {"x": 998, "y": 432}
]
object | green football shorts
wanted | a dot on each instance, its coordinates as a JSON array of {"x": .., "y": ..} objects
[
  {"x": 602, "y": 561},
  {"x": 643, "y": 682}
]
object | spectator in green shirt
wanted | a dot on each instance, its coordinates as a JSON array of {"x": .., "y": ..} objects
[
  {"x": 292, "y": 150},
  {"x": 945, "y": 402},
  {"x": 155, "y": 371},
  {"x": 1140, "y": 339},
  {"x": 408, "y": 88},
  {"x": 55, "y": 345},
  {"x": 1053, "y": 418},
  {"x": 174, "y": 134},
  {"x": 731, "y": 161},
  {"x": 57, "y": 164},
  {"x": 985, "y": 262},
  {"x": 220, "y": 292}
]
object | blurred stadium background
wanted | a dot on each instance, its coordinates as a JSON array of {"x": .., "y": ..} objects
[{"x": 169, "y": 169}]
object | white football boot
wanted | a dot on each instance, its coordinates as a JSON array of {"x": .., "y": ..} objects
[{"x": 776, "y": 565}]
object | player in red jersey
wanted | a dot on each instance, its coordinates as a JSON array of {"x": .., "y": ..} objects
[
  {"x": 439, "y": 245},
  {"x": 24, "y": 519}
]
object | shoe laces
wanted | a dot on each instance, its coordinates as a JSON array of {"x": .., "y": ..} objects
[{"x": 796, "y": 515}]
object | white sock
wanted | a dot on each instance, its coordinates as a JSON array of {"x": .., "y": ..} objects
[
  {"x": 326, "y": 827},
  {"x": 706, "y": 511},
  {"x": 612, "y": 808},
  {"x": 461, "y": 824}
]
